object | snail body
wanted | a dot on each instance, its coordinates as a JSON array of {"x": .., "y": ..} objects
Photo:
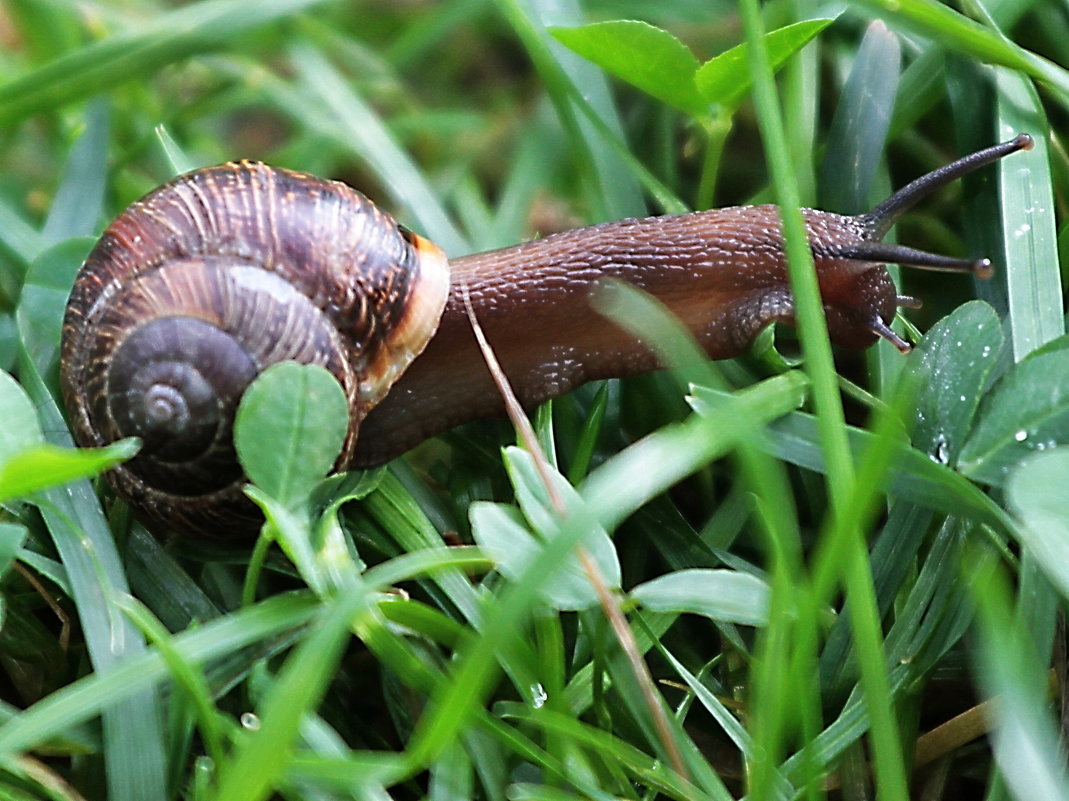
[
  {"x": 200, "y": 285},
  {"x": 539, "y": 292}
]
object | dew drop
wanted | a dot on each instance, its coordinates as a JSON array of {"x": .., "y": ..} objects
[
  {"x": 941, "y": 453},
  {"x": 539, "y": 696},
  {"x": 1021, "y": 435}
]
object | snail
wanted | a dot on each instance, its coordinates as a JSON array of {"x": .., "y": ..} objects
[{"x": 208, "y": 279}]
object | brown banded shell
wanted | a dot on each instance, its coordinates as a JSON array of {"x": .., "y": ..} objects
[{"x": 206, "y": 281}]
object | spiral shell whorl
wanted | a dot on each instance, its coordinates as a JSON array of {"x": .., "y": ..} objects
[{"x": 208, "y": 280}]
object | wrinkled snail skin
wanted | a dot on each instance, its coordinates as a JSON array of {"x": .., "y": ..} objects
[
  {"x": 721, "y": 272},
  {"x": 199, "y": 286}
]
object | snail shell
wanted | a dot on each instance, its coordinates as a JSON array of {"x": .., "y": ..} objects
[{"x": 206, "y": 281}]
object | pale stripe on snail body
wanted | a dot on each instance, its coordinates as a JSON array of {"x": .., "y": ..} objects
[{"x": 244, "y": 265}]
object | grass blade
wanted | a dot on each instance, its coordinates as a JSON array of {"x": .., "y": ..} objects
[
  {"x": 1030, "y": 240},
  {"x": 124, "y": 57}
]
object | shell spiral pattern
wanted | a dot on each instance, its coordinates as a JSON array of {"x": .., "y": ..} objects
[{"x": 206, "y": 281}]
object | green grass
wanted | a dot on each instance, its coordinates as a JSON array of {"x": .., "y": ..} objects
[{"x": 777, "y": 576}]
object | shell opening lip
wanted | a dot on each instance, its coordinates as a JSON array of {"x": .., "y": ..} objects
[{"x": 427, "y": 297}]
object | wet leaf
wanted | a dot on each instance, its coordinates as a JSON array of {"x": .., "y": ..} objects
[
  {"x": 724, "y": 595},
  {"x": 1027, "y": 411},
  {"x": 726, "y": 78},
  {"x": 952, "y": 365},
  {"x": 643, "y": 55},
  {"x": 1037, "y": 496}
]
